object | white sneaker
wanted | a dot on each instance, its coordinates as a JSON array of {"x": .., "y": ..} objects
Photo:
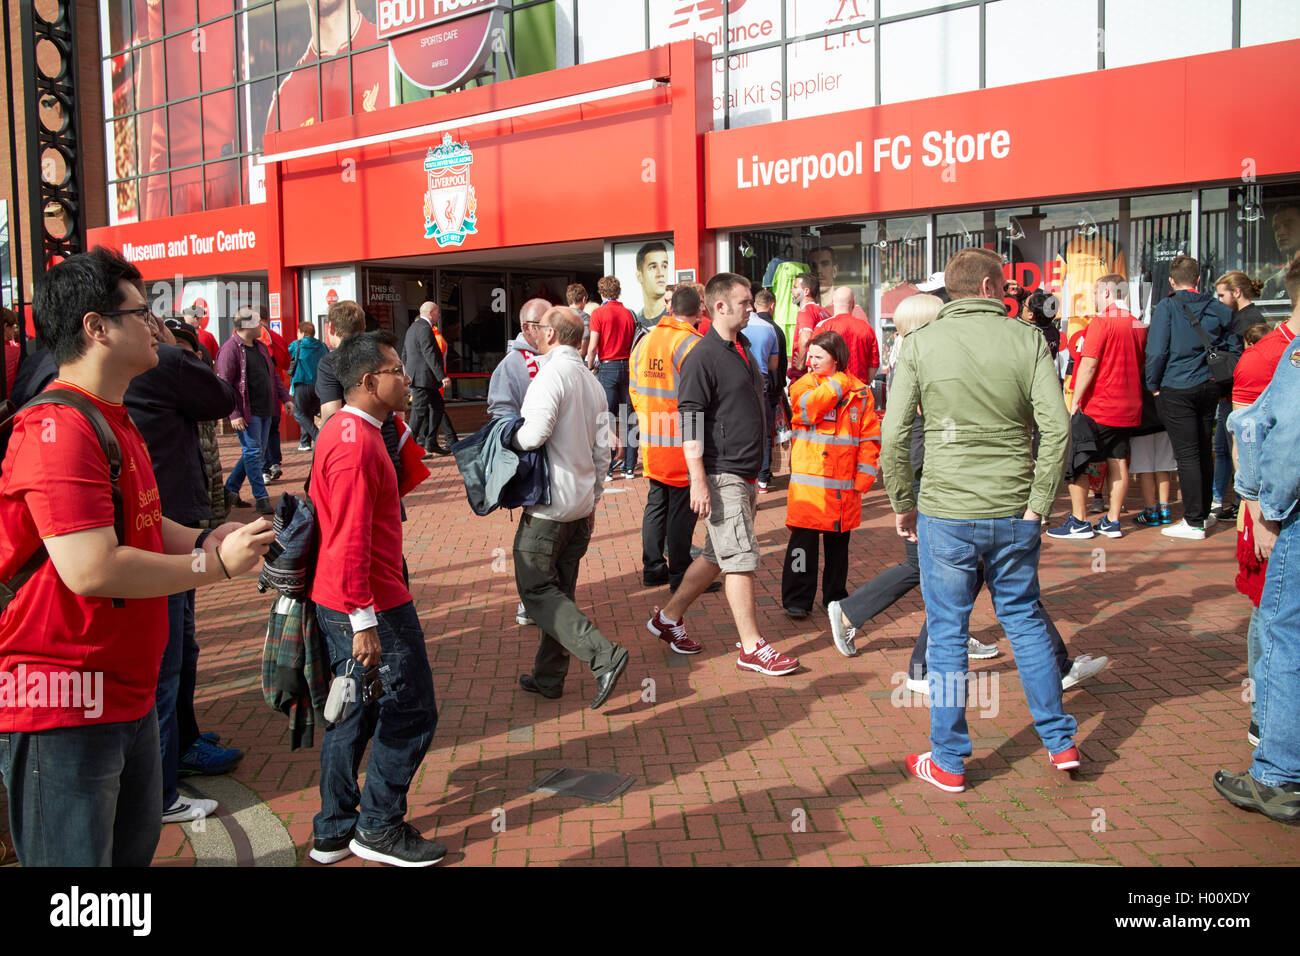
[
  {"x": 841, "y": 633},
  {"x": 980, "y": 652},
  {"x": 1082, "y": 668},
  {"x": 1183, "y": 530},
  {"x": 919, "y": 685},
  {"x": 1210, "y": 521},
  {"x": 186, "y": 809},
  {"x": 521, "y": 616}
]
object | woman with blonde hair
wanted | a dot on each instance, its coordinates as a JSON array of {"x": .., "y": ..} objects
[
  {"x": 912, "y": 313},
  {"x": 833, "y": 463}
]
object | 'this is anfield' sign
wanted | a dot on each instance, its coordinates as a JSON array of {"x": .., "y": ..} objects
[{"x": 440, "y": 43}]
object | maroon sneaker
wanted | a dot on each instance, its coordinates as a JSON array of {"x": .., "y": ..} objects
[
  {"x": 766, "y": 659},
  {"x": 1066, "y": 759},
  {"x": 923, "y": 768},
  {"x": 674, "y": 635}
]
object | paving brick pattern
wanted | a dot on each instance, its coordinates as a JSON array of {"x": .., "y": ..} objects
[{"x": 733, "y": 767}]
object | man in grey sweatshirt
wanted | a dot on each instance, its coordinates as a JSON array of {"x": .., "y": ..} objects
[{"x": 510, "y": 379}]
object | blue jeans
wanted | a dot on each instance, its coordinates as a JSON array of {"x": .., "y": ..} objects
[
  {"x": 1223, "y": 473},
  {"x": 253, "y": 441},
  {"x": 84, "y": 796},
  {"x": 613, "y": 378},
  {"x": 950, "y": 552},
  {"x": 1277, "y": 671},
  {"x": 181, "y": 653},
  {"x": 398, "y": 727}
]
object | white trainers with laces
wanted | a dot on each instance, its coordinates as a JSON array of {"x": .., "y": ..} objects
[
  {"x": 186, "y": 809},
  {"x": 980, "y": 652},
  {"x": 1083, "y": 667},
  {"x": 1184, "y": 530}
]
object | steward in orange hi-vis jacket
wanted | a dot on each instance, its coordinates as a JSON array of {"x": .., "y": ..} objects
[
  {"x": 652, "y": 381},
  {"x": 668, "y": 522},
  {"x": 833, "y": 462}
]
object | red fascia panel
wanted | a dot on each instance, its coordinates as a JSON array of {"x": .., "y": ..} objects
[
  {"x": 1086, "y": 150},
  {"x": 164, "y": 248},
  {"x": 570, "y": 81}
]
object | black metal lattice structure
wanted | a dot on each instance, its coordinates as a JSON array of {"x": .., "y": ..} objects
[{"x": 57, "y": 217}]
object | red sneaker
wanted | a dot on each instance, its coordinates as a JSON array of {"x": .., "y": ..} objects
[
  {"x": 766, "y": 659},
  {"x": 674, "y": 635},
  {"x": 1066, "y": 759},
  {"x": 923, "y": 768}
]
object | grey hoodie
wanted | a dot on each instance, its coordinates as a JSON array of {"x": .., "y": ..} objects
[{"x": 510, "y": 380}]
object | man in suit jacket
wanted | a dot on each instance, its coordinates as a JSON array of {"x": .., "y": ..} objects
[{"x": 424, "y": 364}]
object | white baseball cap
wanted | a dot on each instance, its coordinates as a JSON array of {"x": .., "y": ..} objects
[{"x": 932, "y": 284}]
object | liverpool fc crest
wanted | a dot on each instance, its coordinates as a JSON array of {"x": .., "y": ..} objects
[{"x": 450, "y": 206}]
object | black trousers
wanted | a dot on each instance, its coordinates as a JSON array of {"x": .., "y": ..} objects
[
  {"x": 429, "y": 418},
  {"x": 667, "y": 528},
  {"x": 1188, "y": 414},
  {"x": 799, "y": 573}
]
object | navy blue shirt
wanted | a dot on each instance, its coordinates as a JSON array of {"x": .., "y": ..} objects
[{"x": 1175, "y": 353}]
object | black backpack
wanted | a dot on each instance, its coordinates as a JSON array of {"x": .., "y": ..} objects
[{"x": 107, "y": 442}]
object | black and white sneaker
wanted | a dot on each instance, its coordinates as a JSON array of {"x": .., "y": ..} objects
[
  {"x": 400, "y": 846},
  {"x": 331, "y": 850}
]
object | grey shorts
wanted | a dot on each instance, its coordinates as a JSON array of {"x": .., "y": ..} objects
[{"x": 731, "y": 543}]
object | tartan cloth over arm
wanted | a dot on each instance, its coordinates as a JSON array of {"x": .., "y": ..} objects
[{"x": 295, "y": 668}]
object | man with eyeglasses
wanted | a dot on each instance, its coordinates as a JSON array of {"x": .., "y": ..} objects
[
  {"x": 82, "y": 637},
  {"x": 246, "y": 363},
  {"x": 368, "y": 619},
  {"x": 565, "y": 410}
]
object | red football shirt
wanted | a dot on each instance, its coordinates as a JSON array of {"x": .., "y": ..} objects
[
  {"x": 1115, "y": 397},
  {"x": 616, "y": 325},
  {"x": 1257, "y": 364},
  {"x": 354, "y": 488},
  {"x": 55, "y": 482},
  {"x": 808, "y": 318},
  {"x": 13, "y": 352},
  {"x": 365, "y": 91},
  {"x": 864, "y": 354}
]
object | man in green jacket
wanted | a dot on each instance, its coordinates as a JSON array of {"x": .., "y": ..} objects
[{"x": 982, "y": 380}]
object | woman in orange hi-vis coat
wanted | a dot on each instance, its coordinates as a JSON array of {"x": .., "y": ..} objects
[{"x": 833, "y": 463}]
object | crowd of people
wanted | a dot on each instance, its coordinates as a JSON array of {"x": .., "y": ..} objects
[{"x": 114, "y": 510}]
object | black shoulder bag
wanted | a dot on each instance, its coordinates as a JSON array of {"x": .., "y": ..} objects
[{"x": 1222, "y": 363}]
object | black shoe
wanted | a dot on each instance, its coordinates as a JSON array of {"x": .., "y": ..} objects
[
  {"x": 527, "y": 683},
  {"x": 797, "y": 613},
  {"x": 1242, "y": 790},
  {"x": 656, "y": 580},
  {"x": 274, "y": 471},
  {"x": 331, "y": 850},
  {"x": 400, "y": 846},
  {"x": 605, "y": 683},
  {"x": 234, "y": 501},
  {"x": 1252, "y": 734},
  {"x": 1227, "y": 513},
  {"x": 263, "y": 506}
]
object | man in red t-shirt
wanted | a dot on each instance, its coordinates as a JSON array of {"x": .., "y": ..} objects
[
  {"x": 368, "y": 618},
  {"x": 81, "y": 642},
  {"x": 805, "y": 294},
  {"x": 612, "y": 328},
  {"x": 1107, "y": 405},
  {"x": 864, "y": 353}
]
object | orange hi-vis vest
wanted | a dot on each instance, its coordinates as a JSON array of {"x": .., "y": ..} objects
[
  {"x": 656, "y": 361},
  {"x": 836, "y": 452},
  {"x": 442, "y": 344}
]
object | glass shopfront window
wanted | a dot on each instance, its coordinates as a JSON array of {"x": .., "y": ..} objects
[{"x": 1256, "y": 229}]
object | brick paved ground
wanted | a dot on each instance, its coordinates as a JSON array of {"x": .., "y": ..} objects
[{"x": 728, "y": 763}]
